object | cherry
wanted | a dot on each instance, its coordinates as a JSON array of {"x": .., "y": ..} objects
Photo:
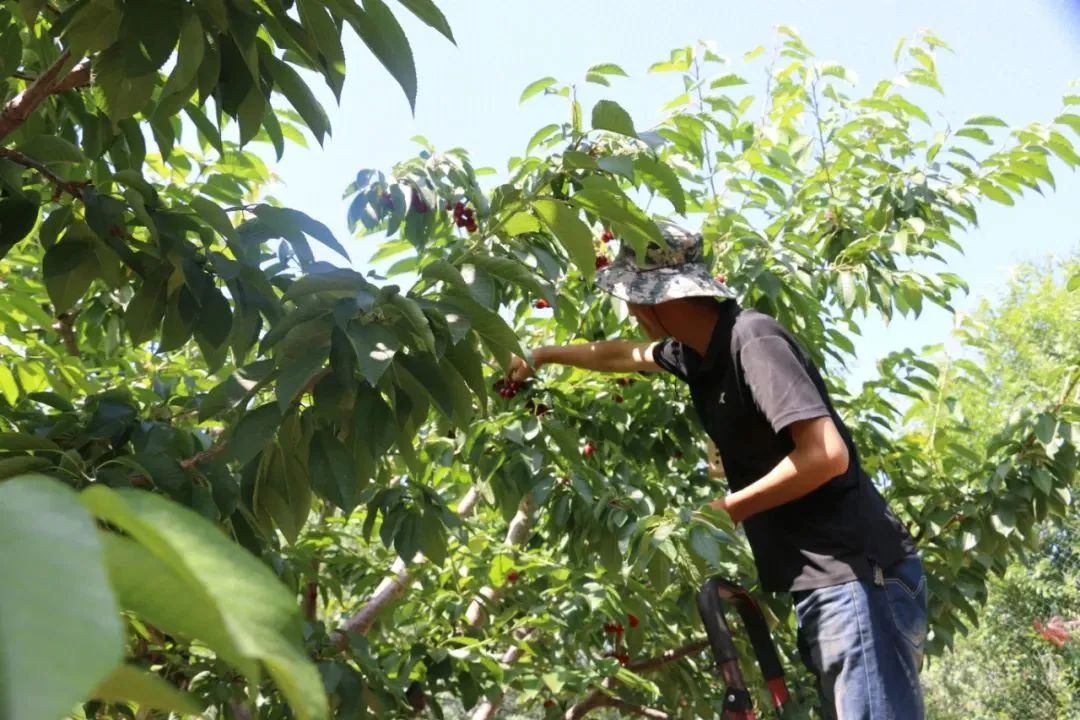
[
  {"x": 678, "y": 455},
  {"x": 608, "y": 236},
  {"x": 632, "y": 619},
  {"x": 512, "y": 576},
  {"x": 549, "y": 703},
  {"x": 617, "y": 398},
  {"x": 624, "y": 381},
  {"x": 471, "y": 225},
  {"x": 588, "y": 449},
  {"x": 602, "y": 262},
  {"x": 541, "y": 304},
  {"x": 619, "y": 630},
  {"x": 624, "y": 659},
  {"x": 609, "y": 628},
  {"x": 722, "y": 279},
  {"x": 459, "y": 207}
]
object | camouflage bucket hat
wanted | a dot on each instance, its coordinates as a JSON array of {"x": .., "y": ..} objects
[{"x": 666, "y": 274}]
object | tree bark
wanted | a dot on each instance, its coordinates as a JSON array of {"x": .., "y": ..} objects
[
  {"x": 516, "y": 535},
  {"x": 392, "y": 588},
  {"x": 19, "y": 108}
]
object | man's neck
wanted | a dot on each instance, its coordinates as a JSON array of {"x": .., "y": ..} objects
[{"x": 697, "y": 326}]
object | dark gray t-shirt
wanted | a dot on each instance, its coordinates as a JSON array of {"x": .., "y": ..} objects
[{"x": 753, "y": 383}]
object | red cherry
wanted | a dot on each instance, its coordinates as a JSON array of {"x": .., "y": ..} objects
[
  {"x": 588, "y": 449},
  {"x": 722, "y": 279},
  {"x": 678, "y": 455},
  {"x": 609, "y": 628},
  {"x": 541, "y": 304},
  {"x": 617, "y": 398},
  {"x": 624, "y": 381},
  {"x": 459, "y": 207},
  {"x": 624, "y": 659},
  {"x": 471, "y": 225},
  {"x": 608, "y": 236},
  {"x": 633, "y": 619},
  {"x": 602, "y": 262},
  {"x": 619, "y": 630},
  {"x": 549, "y": 703},
  {"x": 512, "y": 576}
]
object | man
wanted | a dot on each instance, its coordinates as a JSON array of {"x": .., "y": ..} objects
[{"x": 817, "y": 526}]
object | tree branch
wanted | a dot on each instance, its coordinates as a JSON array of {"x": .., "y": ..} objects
[
  {"x": 599, "y": 698},
  {"x": 203, "y": 456},
  {"x": 65, "y": 328},
  {"x": 633, "y": 709},
  {"x": 19, "y": 108},
  {"x": 74, "y": 188},
  {"x": 391, "y": 589}
]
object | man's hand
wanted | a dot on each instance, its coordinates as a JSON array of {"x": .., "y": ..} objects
[{"x": 520, "y": 370}]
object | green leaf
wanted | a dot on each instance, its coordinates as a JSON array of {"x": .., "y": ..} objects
[
  {"x": 339, "y": 281},
  {"x": 729, "y": 80},
  {"x": 520, "y": 223},
  {"x": 297, "y": 370},
  {"x": 170, "y": 599},
  {"x": 705, "y": 545},
  {"x": 1073, "y": 121},
  {"x": 610, "y": 203},
  {"x": 144, "y": 313},
  {"x": 49, "y": 149},
  {"x": 609, "y": 115},
  {"x": 976, "y": 134},
  {"x": 8, "y": 387},
  {"x": 261, "y": 616},
  {"x": 660, "y": 177},
  {"x": 536, "y": 87},
  {"x": 488, "y": 324},
  {"x": 431, "y": 15},
  {"x": 129, "y": 683},
  {"x": 332, "y": 475},
  {"x": 996, "y": 193},
  {"x": 443, "y": 385},
  {"x": 189, "y": 56},
  {"x": 569, "y": 229},
  {"x": 512, "y": 271},
  {"x": 375, "y": 346},
  {"x": 289, "y": 83},
  {"x": 417, "y": 323},
  {"x": 382, "y": 33},
  {"x": 13, "y": 466},
  {"x": 61, "y": 632},
  {"x": 608, "y": 69},
  {"x": 213, "y": 215},
  {"x": 986, "y": 120},
  {"x": 69, "y": 268},
  {"x": 1074, "y": 282},
  {"x": 253, "y": 433},
  {"x": 125, "y": 93},
  {"x": 94, "y": 27},
  {"x": 22, "y": 441}
]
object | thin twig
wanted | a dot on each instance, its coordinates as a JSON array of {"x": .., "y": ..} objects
[{"x": 74, "y": 188}]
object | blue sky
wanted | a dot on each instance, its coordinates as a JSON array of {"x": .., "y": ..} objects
[{"x": 1012, "y": 59}]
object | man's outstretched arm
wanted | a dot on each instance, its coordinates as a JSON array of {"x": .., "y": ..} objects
[{"x": 602, "y": 356}]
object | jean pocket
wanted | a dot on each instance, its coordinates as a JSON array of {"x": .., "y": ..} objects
[{"x": 906, "y": 593}]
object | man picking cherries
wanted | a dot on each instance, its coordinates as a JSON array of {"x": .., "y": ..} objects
[{"x": 818, "y": 527}]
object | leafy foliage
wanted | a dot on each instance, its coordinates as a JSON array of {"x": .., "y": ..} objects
[{"x": 230, "y": 409}]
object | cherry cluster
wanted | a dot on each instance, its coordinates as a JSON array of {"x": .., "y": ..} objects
[
  {"x": 508, "y": 388},
  {"x": 465, "y": 217}
]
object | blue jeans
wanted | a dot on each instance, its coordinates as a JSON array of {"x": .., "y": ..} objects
[{"x": 864, "y": 642}]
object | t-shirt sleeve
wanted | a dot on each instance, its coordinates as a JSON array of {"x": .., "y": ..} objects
[
  {"x": 670, "y": 355},
  {"x": 781, "y": 386}
]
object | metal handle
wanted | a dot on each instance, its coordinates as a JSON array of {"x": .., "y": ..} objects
[{"x": 714, "y": 593}]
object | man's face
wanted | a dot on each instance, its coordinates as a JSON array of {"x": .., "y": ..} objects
[{"x": 647, "y": 318}]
